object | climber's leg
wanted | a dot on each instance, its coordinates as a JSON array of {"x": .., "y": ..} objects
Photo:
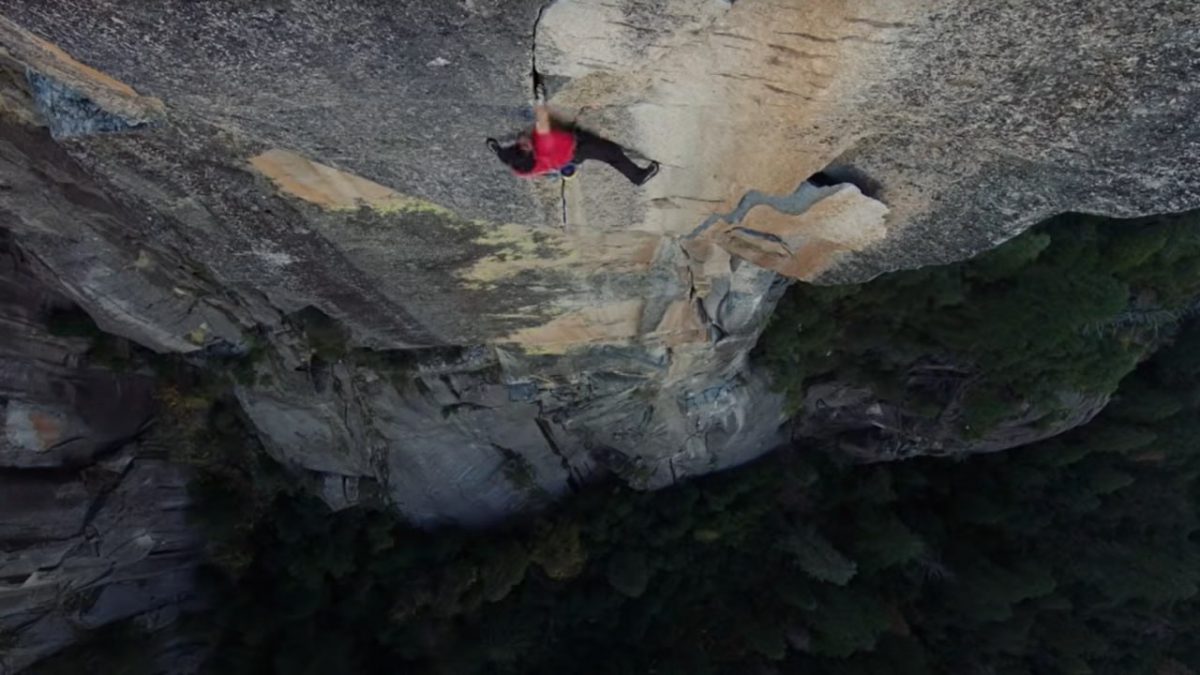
[{"x": 591, "y": 146}]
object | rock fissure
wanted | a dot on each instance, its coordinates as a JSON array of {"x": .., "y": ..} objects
[
  {"x": 548, "y": 434},
  {"x": 535, "y": 76},
  {"x": 762, "y": 235},
  {"x": 562, "y": 197}
]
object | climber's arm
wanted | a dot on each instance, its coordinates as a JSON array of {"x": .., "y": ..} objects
[{"x": 541, "y": 117}]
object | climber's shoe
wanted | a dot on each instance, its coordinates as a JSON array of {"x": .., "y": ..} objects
[
  {"x": 493, "y": 145},
  {"x": 648, "y": 173}
]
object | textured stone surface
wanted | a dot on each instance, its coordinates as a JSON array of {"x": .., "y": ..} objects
[
  {"x": 972, "y": 121},
  {"x": 82, "y": 549},
  {"x": 199, "y": 171},
  {"x": 55, "y": 413},
  {"x": 92, "y": 522}
]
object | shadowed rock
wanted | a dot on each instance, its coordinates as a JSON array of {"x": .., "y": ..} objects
[
  {"x": 92, "y": 516},
  {"x": 332, "y": 156}
]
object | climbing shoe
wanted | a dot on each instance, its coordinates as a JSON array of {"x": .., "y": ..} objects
[
  {"x": 648, "y": 173},
  {"x": 493, "y": 145}
]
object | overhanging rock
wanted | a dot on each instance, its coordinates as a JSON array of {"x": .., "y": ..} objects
[{"x": 346, "y": 171}]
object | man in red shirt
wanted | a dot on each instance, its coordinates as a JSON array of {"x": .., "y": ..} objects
[{"x": 550, "y": 150}]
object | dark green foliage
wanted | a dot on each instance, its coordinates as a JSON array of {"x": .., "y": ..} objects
[
  {"x": 72, "y": 322},
  {"x": 848, "y": 621},
  {"x": 520, "y": 472},
  {"x": 629, "y": 573},
  {"x": 117, "y": 649},
  {"x": 1070, "y": 307},
  {"x": 326, "y": 337},
  {"x": 818, "y": 558},
  {"x": 105, "y": 351}
]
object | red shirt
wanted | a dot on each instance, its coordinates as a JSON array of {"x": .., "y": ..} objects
[{"x": 552, "y": 151}]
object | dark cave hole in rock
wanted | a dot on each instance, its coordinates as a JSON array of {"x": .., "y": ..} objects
[{"x": 836, "y": 174}]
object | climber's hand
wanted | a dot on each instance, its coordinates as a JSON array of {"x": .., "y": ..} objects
[{"x": 541, "y": 117}]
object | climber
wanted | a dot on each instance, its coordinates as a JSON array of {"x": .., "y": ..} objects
[{"x": 558, "y": 150}]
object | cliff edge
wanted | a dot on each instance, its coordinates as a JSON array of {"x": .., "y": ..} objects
[{"x": 309, "y": 183}]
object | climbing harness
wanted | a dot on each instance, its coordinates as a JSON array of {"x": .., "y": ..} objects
[{"x": 565, "y": 172}]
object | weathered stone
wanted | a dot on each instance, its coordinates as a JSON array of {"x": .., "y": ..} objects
[
  {"x": 92, "y": 523},
  {"x": 76, "y": 558},
  {"x": 297, "y": 163},
  {"x": 70, "y": 113},
  {"x": 55, "y": 414}
]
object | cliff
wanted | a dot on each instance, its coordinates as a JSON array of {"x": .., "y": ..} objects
[
  {"x": 93, "y": 528},
  {"x": 304, "y": 185},
  {"x": 309, "y": 181}
]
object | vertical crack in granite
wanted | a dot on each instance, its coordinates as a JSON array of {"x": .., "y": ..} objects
[
  {"x": 535, "y": 75},
  {"x": 562, "y": 196},
  {"x": 548, "y": 434}
]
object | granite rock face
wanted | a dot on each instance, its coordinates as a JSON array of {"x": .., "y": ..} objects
[
  {"x": 199, "y": 175},
  {"x": 92, "y": 515}
]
